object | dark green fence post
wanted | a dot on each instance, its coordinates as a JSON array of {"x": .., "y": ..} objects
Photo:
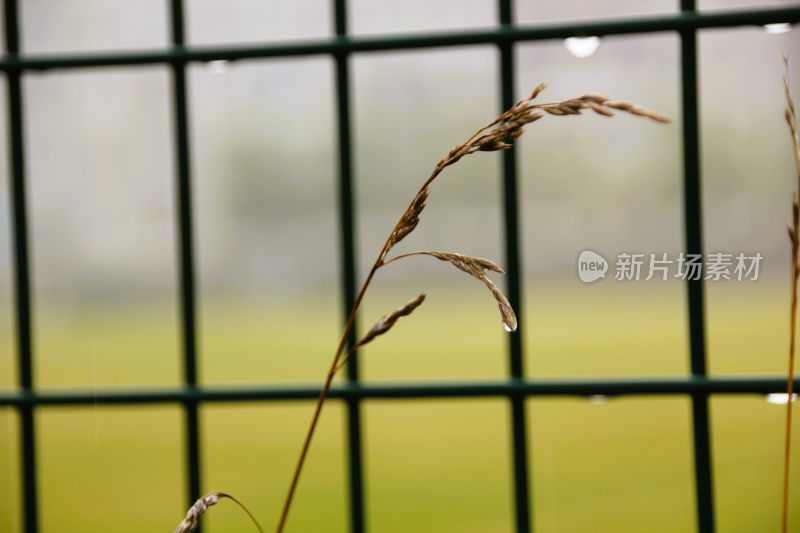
[
  {"x": 693, "y": 227},
  {"x": 347, "y": 232},
  {"x": 186, "y": 270},
  {"x": 513, "y": 264},
  {"x": 22, "y": 283}
]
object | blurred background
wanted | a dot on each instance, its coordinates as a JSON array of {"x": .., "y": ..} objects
[{"x": 100, "y": 168}]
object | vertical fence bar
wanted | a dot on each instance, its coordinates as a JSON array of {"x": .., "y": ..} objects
[
  {"x": 348, "y": 266},
  {"x": 185, "y": 254},
  {"x": 694, "y": 245},
  {"x": 22, "y": 282},
  {"x": 514, "y": 275}
]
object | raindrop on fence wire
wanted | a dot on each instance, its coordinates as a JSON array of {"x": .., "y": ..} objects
[
  {"x": 780, "y": 398},
  {"x": 217, "y": 66},
  {"x": 582, "y": 46},
  {"x": 778, "y": 28}
]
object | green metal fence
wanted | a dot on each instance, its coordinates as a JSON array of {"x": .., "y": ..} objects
[{"x": 698, "y": 386}]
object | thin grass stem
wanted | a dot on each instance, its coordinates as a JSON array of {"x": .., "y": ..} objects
[{"x": 794, "y": 236}]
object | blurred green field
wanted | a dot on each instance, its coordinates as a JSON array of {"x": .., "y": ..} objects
[{"x": 431, "y": 466}]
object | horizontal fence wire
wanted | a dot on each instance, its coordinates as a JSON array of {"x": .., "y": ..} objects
[
  {"x": 643, "y": 386},
  {"x": 350, "y": 44}
]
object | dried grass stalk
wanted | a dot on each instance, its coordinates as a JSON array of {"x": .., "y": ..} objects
[
  {"x": 794, "y": 232},
  {"x": 192, "y": 519},
  {"x": 497, "y": 135}
]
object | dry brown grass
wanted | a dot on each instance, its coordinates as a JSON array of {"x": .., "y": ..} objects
[
  {"x": 189, "y": 523},
  {"x": 794, "y": 234},
  {"x": 496, "y": 136}
]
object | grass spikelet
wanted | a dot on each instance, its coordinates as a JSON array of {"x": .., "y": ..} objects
[
  {"x": 381, "y": 326},
  {"x": 601, "y": 106},
  {"x": 410, "y": 219},
  {"x": 537, "y": 91},
  {"x": 506, "y": 311},
  {"x": 477, "y": 267},
  {"x": 387, "y": 321},
  {"x": 192, "y": 519},
  {"x": 474, "y": 266}
]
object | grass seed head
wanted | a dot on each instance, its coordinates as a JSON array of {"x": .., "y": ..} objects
[{"x": 387, "y": 321}]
